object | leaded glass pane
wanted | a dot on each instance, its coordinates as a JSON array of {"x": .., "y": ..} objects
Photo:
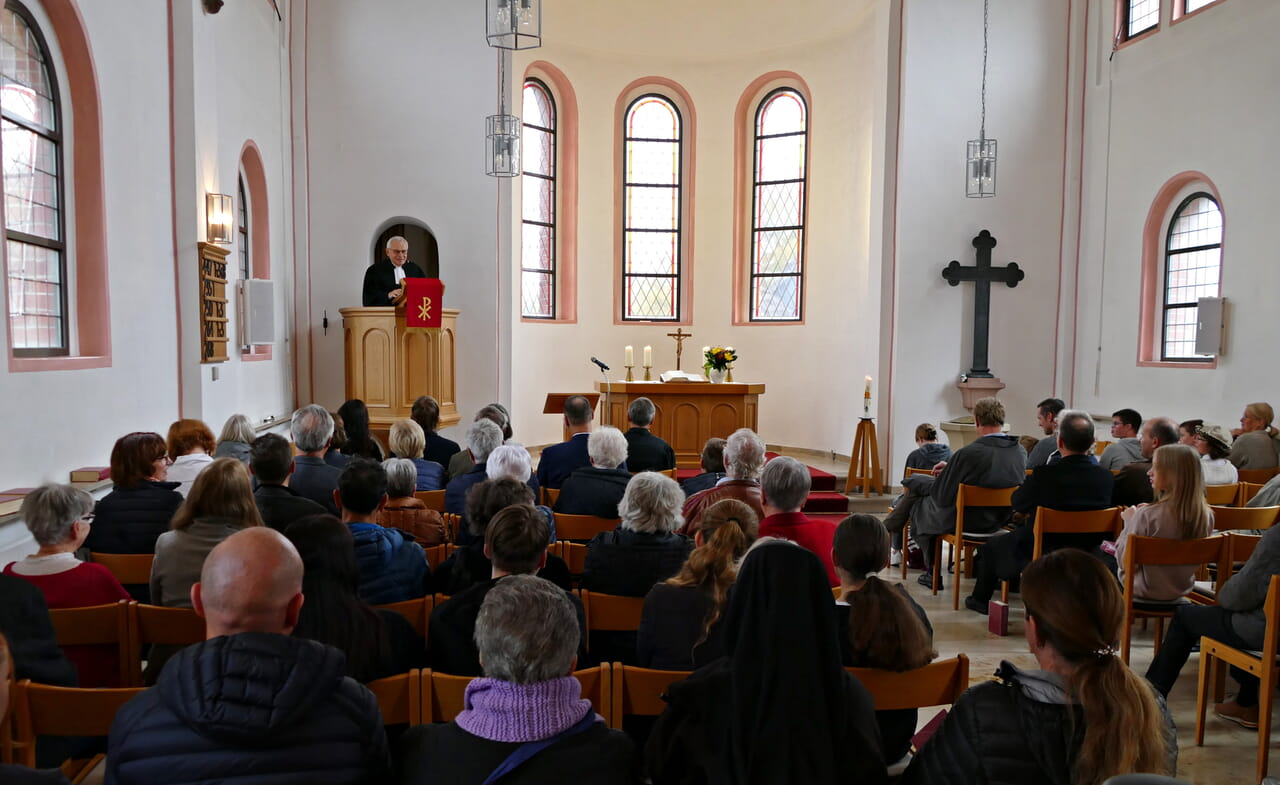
[
  {"x": 777, "y": 220},
  {"x": 538, "y": 203},
  {"x": 1143, "y": 15},
  {"x": 651, "y": 196},
  {"x": 1193, "y": 267}
]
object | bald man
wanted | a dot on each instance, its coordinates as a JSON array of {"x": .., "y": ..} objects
[
  {"x": 250, "y": 701},
  {"x": 384, "y": 279}
]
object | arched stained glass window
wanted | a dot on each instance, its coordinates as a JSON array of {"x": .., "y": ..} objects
[
  {"x": 653, "y": 158},
  {"x": 242, "y": 227},
  {"x": 538, "y": 204},
  {"x": 778, "y": 194},
  {"x": 35, "y": 248},
  {"x": 1193, "y": 268}
]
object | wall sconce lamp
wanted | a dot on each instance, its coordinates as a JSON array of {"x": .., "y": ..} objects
[{"x": 219, "y": 217}]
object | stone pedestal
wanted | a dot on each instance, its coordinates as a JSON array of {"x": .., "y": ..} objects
[{"x": 971, "y": 389}]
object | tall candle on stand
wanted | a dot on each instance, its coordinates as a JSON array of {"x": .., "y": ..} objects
[
  {"x": 630, "y": 356},
  {"x": 866, "y": 399},
  {"x": 648, "y": 356}
]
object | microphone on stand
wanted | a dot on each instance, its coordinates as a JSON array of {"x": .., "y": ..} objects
[
  {"x": 603, "y": 367},
  {"x": 608, "y": 390}
]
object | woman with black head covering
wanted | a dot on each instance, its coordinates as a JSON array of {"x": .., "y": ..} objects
[{"x": 778, "y": 708}]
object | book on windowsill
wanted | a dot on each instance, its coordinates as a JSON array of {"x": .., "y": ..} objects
[
  {"x": 90, "y": 473},
  {"x": 10, "y": 505},
  {"x": 682, "y": 376},
  {"x": 19, "y": 492}
]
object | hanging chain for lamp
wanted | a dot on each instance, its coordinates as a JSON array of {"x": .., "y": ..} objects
[
  {"x": 502, "y": 132},
  {"x": 980, "y": 168}
]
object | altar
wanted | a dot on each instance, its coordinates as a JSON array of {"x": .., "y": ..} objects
[{"x": 688, "y": 413}]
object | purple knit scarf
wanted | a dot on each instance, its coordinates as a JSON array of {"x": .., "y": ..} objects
[{"x": 504, "y": 711}]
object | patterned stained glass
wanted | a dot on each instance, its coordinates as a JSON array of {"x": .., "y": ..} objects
[
  {"x": 538, "y": 204},
  {"x": 1195, "y": 5},
  {"x": 1142, "y": 16},
  {"x": 30, "y": 135},
  {"x": 651, "y": 199},
  {"x": 779, "y": 185},
  {"x": 1193, "y": 262},
  {"x": 242, "y": 222}
]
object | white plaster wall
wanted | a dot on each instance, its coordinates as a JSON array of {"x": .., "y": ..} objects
[
  {"x": 57, "y": 421},
  {"x": 932, "y": 323},
  {"x": 1197, "y": 95},
  {"x": 809, "y": 368},
  {"x": 393, "y": 106}
]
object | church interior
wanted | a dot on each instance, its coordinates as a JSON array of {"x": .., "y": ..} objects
[{"x": 291, "y": 139}]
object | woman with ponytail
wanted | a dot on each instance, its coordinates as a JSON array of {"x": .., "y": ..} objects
[
  {"x": 878, "y": 624},
  {"x": 1080, "y": 719},
  {"x": 928, "y": 452},
  {"x": 678, "y": 629}
]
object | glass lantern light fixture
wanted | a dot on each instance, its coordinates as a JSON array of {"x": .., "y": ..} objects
[
  {"x": 502, "y": 132},
  {"x": 980, "y": 165},
  {"x": 514, "y": 24},
  {"x": 219, "y": 218}
]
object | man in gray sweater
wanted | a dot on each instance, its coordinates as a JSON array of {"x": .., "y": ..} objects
[{"x": 1237, "y": 620}]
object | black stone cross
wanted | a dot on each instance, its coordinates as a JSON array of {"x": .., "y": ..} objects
[{"x": 982, "y": 274}]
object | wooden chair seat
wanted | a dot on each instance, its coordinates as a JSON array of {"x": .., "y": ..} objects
[
  {"x": 583, "y": 527},
  {"x": 1222, "y": 495},
  {"x": 1156, "y": 551},
  {"x": 129, "y": 568},
  {"x": 963, "y": 543},
  {"x": 638, "y": 691},
  {"x": 1050, "y": 521},
  {"x": 42, "y": 710}
]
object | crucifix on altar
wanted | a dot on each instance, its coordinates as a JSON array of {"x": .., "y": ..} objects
[
  {"x": 679, "y": 335},
  {"x": 979, "y": 381}
]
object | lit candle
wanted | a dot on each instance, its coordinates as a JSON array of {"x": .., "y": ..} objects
[
  {"x": 868, "y": 392},
  {"x": 648, "y": 356},
  {"x": 629, "y": 353}
]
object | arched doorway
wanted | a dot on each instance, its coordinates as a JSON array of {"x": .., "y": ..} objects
[{"x": 423, "y": 249}]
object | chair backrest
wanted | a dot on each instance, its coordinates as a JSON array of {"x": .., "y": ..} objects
[
  {"x": 7, "y": 748},
  {"x": 415, "y": 611},
  {"x": 610, "y": 612},
  {"x": 1222, "y": 494},
  {"x": 574, "y": 555},
  {"x": 1248, "y": 490},
  {"x": 639, "y": 691},
  {"x": 1162, "y": 551},
  {"x": 1050, "y": 521},
  {"x": 1271, "y": 609},
  {"x": 550, "y": 496},
  {"x": 435, "y": 555},
  {"x": 583, "y": 527},
  {"x": 910, "y": 472},
  {"x": 1257, "y": 476},
  {"x": 443, "y": 694},
  {"x": 150, "y": 624},
  {"x": 597, "y": 687},
  {"x": 452, "y": 522},
  {"x": 129, "y": 568},
  {"x": 1239, "y": 548},
  {"x": 977, "y": 496},
  {"x": 42, "y": 710},
  {"x": 1247, "y": 518},
  {"x": 97, "y": 625},
  {"x": 1100, "y": 446},
  {"x": 433, "y": 499},
  {"x": 936, "y": 684},
  {"x": 399, "y": 698}
]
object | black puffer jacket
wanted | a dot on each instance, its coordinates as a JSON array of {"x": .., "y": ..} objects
[
  {"x": 128, "y": 520},
  {"x": 249, "y": 708},
  {"x": 1017, "y": 730}
]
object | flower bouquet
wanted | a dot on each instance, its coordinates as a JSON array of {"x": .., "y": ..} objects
[{"x": 718, "y": 360}]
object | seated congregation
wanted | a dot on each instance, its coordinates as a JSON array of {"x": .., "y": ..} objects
[{"x": 326, "y": 569}]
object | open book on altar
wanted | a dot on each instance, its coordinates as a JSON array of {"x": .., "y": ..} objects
[{"x": 682, "y": 376}]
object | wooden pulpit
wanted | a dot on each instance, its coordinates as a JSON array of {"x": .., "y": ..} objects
[
  {"x": 555, "y": 405},
  {"x": 388, "y": 367}
]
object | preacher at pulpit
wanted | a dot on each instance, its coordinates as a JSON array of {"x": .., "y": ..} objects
[{"x": 382, "y": 281}]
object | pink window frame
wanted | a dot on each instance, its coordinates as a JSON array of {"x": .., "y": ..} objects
[
  {"x": 566, "y": 102},
  {"x": 255, "y": 184}
]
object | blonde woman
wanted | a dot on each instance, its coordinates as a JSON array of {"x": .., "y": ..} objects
[
  {"x": 237, "y": 434},
  {"x": 407, "y": 440},
  {"x": 1179, "y": 512},
  {"x": 1255, "y": 445}
]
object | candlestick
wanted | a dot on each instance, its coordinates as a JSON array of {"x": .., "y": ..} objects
[
  {"x": 630, "y": 356},
  {"x": 648, "y": 356},
  {"x": 630, "y": 378},
  {"x": 647, "y": 377}
]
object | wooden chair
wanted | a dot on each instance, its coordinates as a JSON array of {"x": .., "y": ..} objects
[
  {"x": 1248, "y": 490},
  {"x": 435, "y": 555},
  {"x": 443, "y": 694},
  {"x": 910, "y": 472},
  {"x": 1222, "y": 495},
  {"x": 1050, "y": 521},
  {"x": 1244, "y": 518},
  {"x": 597, "y": 687},
  {"x": 583, "y": 527},
  {"x": 415, "y": 611},
  {"x": 42, "y": 710},
  {"x": 97, "y": 625},
  {"x": 1100, "y": 446},
  {"x": 962, "y": 542},
  {"x": 1146, "y": 551},
  {"x": 1257, "y": 476},
  {"x": 936, "y": 684},
  {"x": 433, "y": 499},
  {"x": 129, "y": 568},
  {"x": 574, "y": 555},
  {"x": 1260, "y": 664},
  {"x": 153, "y": 624},
  {"x": 550, "y": 496},
  {"x": 639, "y": 691},
  {"x": 399, "y": 698},
  {"x": 610, "y": 613},
  {"x": 451, "y": 522},
  {"x": 7, "y": 746},
  {"x": 1239, "y": 548}
]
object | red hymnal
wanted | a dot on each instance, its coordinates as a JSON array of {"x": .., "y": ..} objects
[{"x": 998, "y": 618}]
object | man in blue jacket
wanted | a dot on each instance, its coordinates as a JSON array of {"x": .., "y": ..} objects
[
  {"x": 251, "y": 701},
  {"x": 393, "y": 567}
]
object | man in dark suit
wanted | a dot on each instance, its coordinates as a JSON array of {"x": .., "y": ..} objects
[
  {"x": 312, "y": 430},
  {"x": 1074, "y": 483},
  {"x": 271, "y": 461},
  {"x": 382, "y": 280},
  {"x": 646, "y": 452},
  {"x": 559, "y": 460}
]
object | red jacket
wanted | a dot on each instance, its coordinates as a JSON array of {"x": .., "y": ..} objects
[{"x": 813, "y": 533}]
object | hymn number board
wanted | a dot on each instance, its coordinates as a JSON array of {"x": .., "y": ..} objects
[{"x": 213, "y": 303}]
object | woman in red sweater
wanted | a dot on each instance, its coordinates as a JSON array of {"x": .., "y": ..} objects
[{"x": 59, "y": 517}]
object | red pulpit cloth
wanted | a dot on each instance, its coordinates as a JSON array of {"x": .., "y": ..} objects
[{"x": 423, "y": 304}]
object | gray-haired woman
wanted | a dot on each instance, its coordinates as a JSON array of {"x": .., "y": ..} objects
[
  {"x": 644, "y": 549},
  {"x": 527, "y": 711},
  {"x": 59, "y": 517}
]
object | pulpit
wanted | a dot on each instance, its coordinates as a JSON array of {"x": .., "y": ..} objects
[
  {"x": 688, "y": 413},
  {"x": 388, "y": 367}
]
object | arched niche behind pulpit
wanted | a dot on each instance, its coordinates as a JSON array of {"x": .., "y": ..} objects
[{"x": 423, "y": 249}]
